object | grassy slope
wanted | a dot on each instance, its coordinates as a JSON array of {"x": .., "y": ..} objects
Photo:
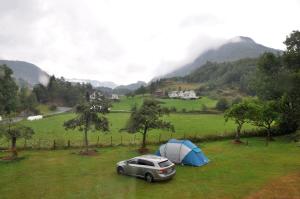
[
  {"x": 189, "y": 105},
  {"x": 235, "y": 171},
  {"x": 185, "y": 124}
]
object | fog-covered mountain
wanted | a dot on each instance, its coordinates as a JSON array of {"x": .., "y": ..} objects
[
  {"x": 133, "y": 86},
  {"x": 94, "y": 83},
  {"x": 234, "y": 49},
  {"x": 26, "y": 73}
]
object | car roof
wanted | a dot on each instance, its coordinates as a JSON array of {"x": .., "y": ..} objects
[{"x": 153, "y": 158}]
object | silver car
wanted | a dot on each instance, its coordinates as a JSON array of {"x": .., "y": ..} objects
[{"x": 150, "y": 167}]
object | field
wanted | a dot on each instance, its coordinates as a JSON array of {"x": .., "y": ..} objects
[
  {"x": 234, "y": 171},
  {"x": 126, "y": 104},
  {"x": 186, "y": 125}
]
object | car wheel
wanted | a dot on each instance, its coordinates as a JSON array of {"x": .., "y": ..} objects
[
  {"x": 149, "y": 177},
  {"x": 120, "y": 170}
]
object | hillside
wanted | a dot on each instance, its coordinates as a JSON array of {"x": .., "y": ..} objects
[
  {"x": 232, "y": 50},
  {"x": 26, "y": 73}
]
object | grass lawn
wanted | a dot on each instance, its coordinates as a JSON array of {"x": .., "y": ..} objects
[
  {"x": 235, "y": 171},
  {"x": 189, "y": 105},
  {"x": 188, "y": 125}
]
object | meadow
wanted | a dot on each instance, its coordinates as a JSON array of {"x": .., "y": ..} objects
[
  {"x": 234, "y": 171},
  {"x": 126, "y": 103},
  {"x": 186, "y": 125}
]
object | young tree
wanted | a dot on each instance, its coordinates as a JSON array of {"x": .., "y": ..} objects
[
  {"x": 8, "y": 91},
  {"x": 265, "y": 114},
  {"x": 222, "y": 104},
  {"x": 148, "y": 117},
  {"x": 15, "y": 131},
  {"x": 240, "y": 114},
  {"x": 90, "y": 116}
]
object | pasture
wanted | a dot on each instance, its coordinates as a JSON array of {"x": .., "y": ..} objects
[
  {"x": 186, "y": 125},
  {"x": 126, "y": 104},
  {"x": 234, "y": 171}
]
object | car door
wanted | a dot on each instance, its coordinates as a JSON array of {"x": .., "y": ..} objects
[{"x": 132, "y": 167}]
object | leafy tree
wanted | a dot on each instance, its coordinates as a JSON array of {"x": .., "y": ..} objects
[
  {"x": 90, "y": 116},
  {"x": 13, "y": 132},
  {"x": 240, "y": 114},
  {"x": 8, "y": 91},
  {"x": 264, "y": 115},
  {"x": 27, "y": 100},
  {"x": 222, "y": 104},
  {"x": 148, "y": 117},
  {"x": 141, "y": 90}
]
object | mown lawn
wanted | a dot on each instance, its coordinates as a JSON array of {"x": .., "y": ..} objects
[
  {"x": 235, "y": 171},
  {"x": 189, "y": 105},
  {"x": 186, "y": 125}
]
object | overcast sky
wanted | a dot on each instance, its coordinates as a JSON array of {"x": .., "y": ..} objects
[{"x": 129, "y": 40}]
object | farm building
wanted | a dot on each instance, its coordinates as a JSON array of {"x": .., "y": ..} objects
[
  {"x": 183, "y": 95},
  {"x": 114, "y": 97}
]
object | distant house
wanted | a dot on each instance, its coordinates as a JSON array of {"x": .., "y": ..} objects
[
  {"x": 189, "y": 95},
  {"x": 159, "y": 93},
  {"x": 95, "y": 95},
  {"x": 0, "y": 118},
  {"x": 183, "y": 94},
  {"x": 114, "y": 97}
]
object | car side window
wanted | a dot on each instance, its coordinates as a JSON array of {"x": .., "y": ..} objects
[
  {"x": 133, "y": 161},
  {"x": 145, "y": 162}
]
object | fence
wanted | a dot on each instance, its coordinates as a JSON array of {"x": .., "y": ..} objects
[{"x": 121, "y": 140}]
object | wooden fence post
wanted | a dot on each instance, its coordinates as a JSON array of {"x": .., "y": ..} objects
[
  {"x": 134, "y": 139},
  {"x": 69, "y": 143},
  {"x": 39, "y": 144},
  {"x": 98, "y": 141},
  {"x": 54, "y": 145}
]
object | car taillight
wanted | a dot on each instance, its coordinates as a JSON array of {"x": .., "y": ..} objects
[{"x": 161, "y": 171}]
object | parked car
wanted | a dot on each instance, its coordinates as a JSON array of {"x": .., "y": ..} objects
[{"x": 150, "y": 167}]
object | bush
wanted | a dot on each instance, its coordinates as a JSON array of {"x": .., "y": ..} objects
[
  {"x": 222, "y": 104},
  {"x": 53, "y": 107}
]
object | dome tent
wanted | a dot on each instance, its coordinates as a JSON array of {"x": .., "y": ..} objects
[{"x": 182, "y": 152}]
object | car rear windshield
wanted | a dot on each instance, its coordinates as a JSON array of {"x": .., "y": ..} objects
[{"x": 165, "y": 163}]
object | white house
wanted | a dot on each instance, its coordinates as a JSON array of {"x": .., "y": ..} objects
[
  {"x": 96, "y": 95},
  {"x": 183, "y": 95},
  {"x": 0, "y": 118},
  {"x": 115, "y": 97},
  {"x": 189, "y": 95}
]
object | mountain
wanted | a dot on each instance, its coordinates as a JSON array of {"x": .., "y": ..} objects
[
  {"x": 234, "y": 49},
  {"x": 132, "y": 87},
  {"x": 94, "y": 83},
  {"x": 26, "y": 73}
]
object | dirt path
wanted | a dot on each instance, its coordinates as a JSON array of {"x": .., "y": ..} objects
[{"x": 285, "y": 187}]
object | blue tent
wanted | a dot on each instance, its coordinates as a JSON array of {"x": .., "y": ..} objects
[{"x": 182, "y": 152}]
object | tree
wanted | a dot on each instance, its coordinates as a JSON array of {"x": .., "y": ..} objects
[
  {"x": 27, "y": 100},
  {"x": 240, "y": 114},
  {"x": 264, "y": 115},
  {"x": 15, "y": 131},
  {"x": 8, "y": 91},
  {"x": 148, "y": 117},
  {"x": 222, "y": 104},
  {"x": 141, "y": 90},
  {"x": 90, "y": 116}
]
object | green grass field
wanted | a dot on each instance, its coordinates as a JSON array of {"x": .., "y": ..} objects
[
  {"x": 189, "y": 105},
  {"x": 235, "y": 171},
  {"x": 186, "y": 125}
]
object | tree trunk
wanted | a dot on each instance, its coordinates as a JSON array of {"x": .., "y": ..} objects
[
  {"x": 144, "y": 138},
  {"x": 238, "y": 133},
  {"x": 86, "y": 143},
  {"x": 13, "y": 147}
]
